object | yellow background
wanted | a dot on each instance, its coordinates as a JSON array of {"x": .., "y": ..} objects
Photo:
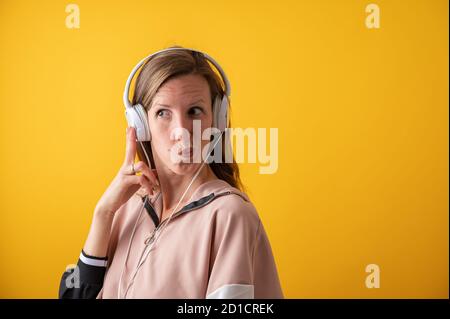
[{"x": 362, "y": 117}]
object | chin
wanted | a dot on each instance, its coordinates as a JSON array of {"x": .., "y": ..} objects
[{"x": 184, "y": 168}]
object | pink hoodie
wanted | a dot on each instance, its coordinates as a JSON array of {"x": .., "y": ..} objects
[{"x": 214, "y": 247}]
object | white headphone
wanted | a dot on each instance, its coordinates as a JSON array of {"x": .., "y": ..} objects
[{"x": 137, "y": 116}]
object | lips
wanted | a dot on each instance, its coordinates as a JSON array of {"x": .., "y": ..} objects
[{"x": 187, "y": 152}]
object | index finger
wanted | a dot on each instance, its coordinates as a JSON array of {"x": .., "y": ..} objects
[{"x": 130, "y": 152}]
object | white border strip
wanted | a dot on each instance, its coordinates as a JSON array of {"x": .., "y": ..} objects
[
  {"x": 93, "y": 262},
  {"x": 233, "y": 291}
]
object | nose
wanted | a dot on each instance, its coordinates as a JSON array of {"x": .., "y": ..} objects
[{"x": 181, "y": 127}]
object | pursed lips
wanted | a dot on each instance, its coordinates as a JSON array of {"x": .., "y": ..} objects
[{"x": 187, "y": 152}]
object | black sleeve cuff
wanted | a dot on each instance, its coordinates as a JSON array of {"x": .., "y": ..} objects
[{"x": 91, "y": 274}]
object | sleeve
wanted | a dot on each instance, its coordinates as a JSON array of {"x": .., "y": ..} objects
[
  {"x": 242, "y": 265},
  {"x": 85, "y": 280}
]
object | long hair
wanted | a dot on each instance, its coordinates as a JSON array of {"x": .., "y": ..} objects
[{"x": 165, "y": 66}]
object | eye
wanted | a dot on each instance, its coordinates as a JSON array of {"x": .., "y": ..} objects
[
  {"x": 162, "y": 113},
  {"x": 195, "y": 111}
]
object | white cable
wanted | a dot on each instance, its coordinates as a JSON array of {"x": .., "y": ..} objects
[
  {"x": 128, "y": 249},
  {"x": 156, "y": 233},
  {"x": 134, "y": 229}
]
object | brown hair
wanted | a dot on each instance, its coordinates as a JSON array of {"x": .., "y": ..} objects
[{"x": 167, "y": 65}]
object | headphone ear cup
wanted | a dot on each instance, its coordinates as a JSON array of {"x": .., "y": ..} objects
[
  {"x": 216, "y": 111},
  {"x": 137, "y": 118},
  {"x": 222, "y": 115}
]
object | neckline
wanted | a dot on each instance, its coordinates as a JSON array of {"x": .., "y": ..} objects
[
  {"x": 197, "y": 190},
  {"x": 157, "y": 202}
]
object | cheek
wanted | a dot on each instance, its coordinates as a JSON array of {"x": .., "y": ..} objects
[
  {"x": 157, "y": 128},
  {"x": 160, "y": 139}
]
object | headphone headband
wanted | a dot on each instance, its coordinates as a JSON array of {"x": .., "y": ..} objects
[{"x": 126, "y": 92}]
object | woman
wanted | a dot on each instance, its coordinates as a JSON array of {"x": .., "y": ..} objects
[{"x": 199, "y": 235}]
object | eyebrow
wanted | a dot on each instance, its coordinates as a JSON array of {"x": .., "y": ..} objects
[{"x": 165, "y": 105}]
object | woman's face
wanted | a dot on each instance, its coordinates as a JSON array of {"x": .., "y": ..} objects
[{"x": 176, "y": 105}]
